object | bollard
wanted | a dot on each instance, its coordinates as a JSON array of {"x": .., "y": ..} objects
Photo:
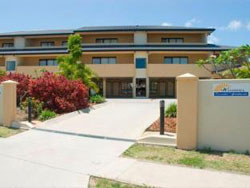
[
  {"x": 29, "y": 110},
  {"x": 162, "y": 111}
]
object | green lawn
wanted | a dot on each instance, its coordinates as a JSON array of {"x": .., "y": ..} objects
[
  {"x": 224, "y": 161},
  {"x": 6, "y": 132},
  {"x": 96, "y": 182}
]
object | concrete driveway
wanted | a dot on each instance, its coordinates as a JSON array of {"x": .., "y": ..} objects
[
  {"x": 118, "y": 118},
  {"x": 51, "y": 157}
]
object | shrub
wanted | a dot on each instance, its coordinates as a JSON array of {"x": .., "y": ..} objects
[
  {"x": 23, "y": 82},
  {"x": 37, "y": 106},
  {"x": 2, "y": 73},
  {"x": 46, "y": 114},
  {"x": 171, "y": 110},
  {"x": 97, "y": 99},
  {"x": 58, "y": 93}
]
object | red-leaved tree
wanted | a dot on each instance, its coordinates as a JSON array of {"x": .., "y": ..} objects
[
  {"x": 58, "y": 93},
  {"x": 23, "y": 82}
]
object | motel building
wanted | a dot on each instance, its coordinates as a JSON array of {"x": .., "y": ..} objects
[{"x": 131, "y": 61}]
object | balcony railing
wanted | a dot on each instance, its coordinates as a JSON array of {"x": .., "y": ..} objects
[
  {"x": 173, "y": 70},
  {"x": 102, "y": 70},
  {"x": 113, "y": 70}
]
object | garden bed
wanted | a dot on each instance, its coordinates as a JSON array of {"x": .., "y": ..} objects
[{"x": 169, "y": 125}]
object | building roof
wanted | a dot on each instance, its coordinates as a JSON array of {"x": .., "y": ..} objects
[
  {"x": 141, "y": 28},
  {"x": 104, "y": 29},
  {"x": 37, "y": 33},
  {"x": 116, "y": 47}
]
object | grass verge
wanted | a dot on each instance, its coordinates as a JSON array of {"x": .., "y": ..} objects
[
  {"x": 96, "y": 182},
  {"x": 224, "y": 161},
  {"x": 6, "y": 131}
]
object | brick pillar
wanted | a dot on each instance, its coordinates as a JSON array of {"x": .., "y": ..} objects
[
  {"x": 187, "y": 96},
  {"x": 9, "y": 102}
]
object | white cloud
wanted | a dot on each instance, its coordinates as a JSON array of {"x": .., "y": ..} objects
[
  {"x": 234, "y": 25},
  {"x": 191, "y": 22},
  {"x": 248, "y": 26},
  {"x": 166, "y": 24},
  {"x": 212, "y": 39}
]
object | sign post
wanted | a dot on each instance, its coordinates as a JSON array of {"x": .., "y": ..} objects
[{"x": 162, "y": 110}]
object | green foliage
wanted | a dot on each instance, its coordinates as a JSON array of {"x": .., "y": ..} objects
[
  {"x": 46, "y": 114},
  {"x": 71, "y": 66},
  {"x": 37, "y": 106},
  {"x": 171, "y": 110},
  {"x": 7, "y": 131},
  {"x": 217, "y": 160},
  {"x": 2, "y": 73},
  {"x": 97, "y": 99},
  {"x": 234, "y": 63},
  {"x": 194, "y": 161}
]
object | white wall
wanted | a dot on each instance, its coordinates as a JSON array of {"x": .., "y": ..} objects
[
  {"x": 19, "y": 42},
  {"x": 140, "y": 37},
  {"x": 223, "y": 122}
]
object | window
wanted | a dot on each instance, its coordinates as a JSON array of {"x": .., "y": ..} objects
[
  {"x": 140, "y": 63},
  {"x": 10, "y": 65},
  {"x": 8, "y": 45},
  {"x": 104, "y": 60},
  {"x": 46, "y": 44},
  {"x": 64, "y": 43},
  {"x": 107, "y": 40},
  {"x": 176, "y": 60},
  {"x": 47, "y": 62},
  {"x": 172, "y": 40}
]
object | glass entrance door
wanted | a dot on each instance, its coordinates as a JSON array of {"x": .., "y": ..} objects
[{"x": 141, "y": 87}]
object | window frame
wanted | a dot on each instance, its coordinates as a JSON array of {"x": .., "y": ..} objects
[
  {"x": 102, "y": 40},
  {"x": 167, "y": 40},
  {"x": 62, "y": 44},
  {"x": 172, "y": 58},
  {"x": 137, "y": 66},
  {"x": 100, "y": 60},
  {"x": 47, "y": 42},
  {"x": 9, "y": 44},
  {"x": 46, "y": 62}
]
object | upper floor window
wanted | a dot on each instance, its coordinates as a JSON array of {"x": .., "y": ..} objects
[
  {"x": 64, "y": 43},
  {"x": 8, "y": 45},
  {"x": 10, "y": 66},
  {"x": 47, "y": 62},
  {"x": 172, "y": 40},
  {"x": 140, "y": 63},
  {"x": 48, "y": 43},
  {"x": 107, "y": 40},
  {"x": 104, "y": 60},
  {"x": 176, "y": 60}
]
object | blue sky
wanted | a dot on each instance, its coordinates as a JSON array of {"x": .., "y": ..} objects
[{"x": 231, "y": 18}]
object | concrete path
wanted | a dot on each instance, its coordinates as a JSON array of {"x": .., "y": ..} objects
[
  {"x": 119, "y": 118},
  {"x": 51, "y": 157},
  {"x": 162, "y": 175},
  {"x": 43, "y": 159}
]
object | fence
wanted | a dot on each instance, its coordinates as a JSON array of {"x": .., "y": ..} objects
[{"x": 213, "y": 114}]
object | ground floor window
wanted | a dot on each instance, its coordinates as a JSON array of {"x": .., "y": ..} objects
[
  {"x": 121, "y": 88},
  {"x": 162, "y": 87}
]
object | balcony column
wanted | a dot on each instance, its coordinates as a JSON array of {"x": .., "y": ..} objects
[
  {"x": 134, "y": 87},
  {"x": 147, "y": 87},
  {"x": 104, "y": 87}
]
